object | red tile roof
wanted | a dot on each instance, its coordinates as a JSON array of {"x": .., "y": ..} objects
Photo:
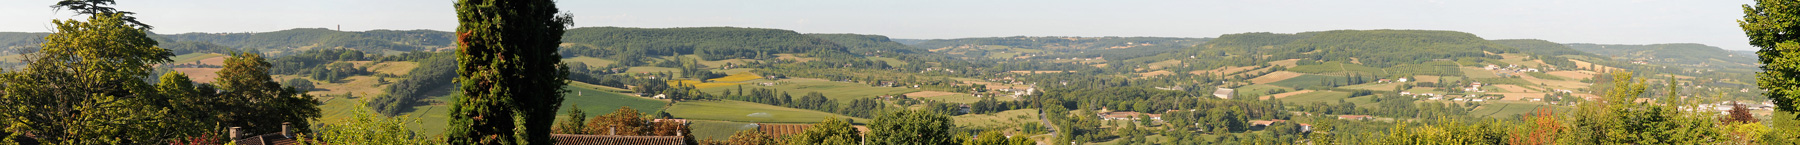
[{"x": 574, "y": 139}]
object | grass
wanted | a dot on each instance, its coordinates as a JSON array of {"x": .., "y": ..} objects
[
  {"x": 648, "y": 69},
  {"x": 844, "y": 92},
  {"x": 1541, "y": 75},
  {"x": 1330, "y": 67},
  {"x": 590, "y": 61},
  {"x": 1478, "y": 73},
  {"x": 1003, "y": 119},
  {"x": 398, "y": 68},
  {"x": 600, "y": 102},
  {"x": 740, "y": 111},
  {"x": 1320, "y": 96},
  {"x": 1309, "y": 80},
  {"x": 1498, "y": 110},
  {"x": 701, "y": 85},
  {"x": 1260, "y": 89},
  {"x": 716, "y": 130},
  {"x": 955, "y": 98}
]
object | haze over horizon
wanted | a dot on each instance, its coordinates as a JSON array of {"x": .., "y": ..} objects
[{"x": 1603, "y": 22}]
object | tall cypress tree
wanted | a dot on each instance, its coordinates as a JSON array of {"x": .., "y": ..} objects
[{"x": 511, "y": 74}]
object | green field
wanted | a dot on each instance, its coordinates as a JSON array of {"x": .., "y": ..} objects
[
  {"x": 1308, "y": 80},
  {"x": 1003, "y": 119},
  {"x": 590, "y": 61},
  {"x": 1541, "y": 75},
  {"x": 1262, "y": 89},
  {"x": 740, "y": 111},
  {"x": 1332, "y": 67},
  {"x": 1374, "y": 86},
  {"x": 844, "y": 92},
  {"x": 716, "y": 130},
  {"x": 648, "y": 69},
  {"x": 1320, "y": 96},
  {"x": 957, "y": 98},
  {"x": 1501, "y": 110}
]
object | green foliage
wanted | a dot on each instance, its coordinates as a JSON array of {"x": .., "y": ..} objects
[
  {"x": 86, "y": 86},
  {"x": 632, "y": 45},
  {"x": 434, "y": 74},
  {"x": 1774, "y": 26},
  {"x": 830, "y": 131},
  {"x": 911, "y": 127},
  {"x": 1541, "y": 47},
  {"x": 366, "y": 127},
  {"x": 368, "y": 41},
  {"x": 512, "y": 77},
  {"x": 301, "y": 85},
  {"x": 995, "y": 138}
]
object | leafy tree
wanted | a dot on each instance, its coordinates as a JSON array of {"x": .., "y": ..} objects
[
  {"x": 830, "y": 131},
  {"x": 575, "y": 124},
  {"x": 302, "y": 85},
  {"x": 511, "y": 74},
  {"x": 86, "y": 84},
  {"x": 1774, "y": 26},
  {"x": 625, "y": 121},
  {"x": 751, "y": 137},
  {"x": 995, "y": 138},
  {"x": 911, "y": 127},
  {"x": 255, "y": 101}
]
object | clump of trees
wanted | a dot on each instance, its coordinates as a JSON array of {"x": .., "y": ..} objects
[{"x": 87, "y": 85}]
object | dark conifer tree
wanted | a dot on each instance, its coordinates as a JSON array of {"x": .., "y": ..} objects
[{"x": 509, "y": 68}]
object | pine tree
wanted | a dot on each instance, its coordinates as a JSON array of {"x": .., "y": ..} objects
[{"x": 512, "y": 77}]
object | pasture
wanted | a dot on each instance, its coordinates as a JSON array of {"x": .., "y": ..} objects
[{"x": 739, "y": 111}]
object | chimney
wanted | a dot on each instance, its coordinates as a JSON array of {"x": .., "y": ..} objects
[
  {"x": 285, "y": 131},
  {"x": 235, "y": 132}
]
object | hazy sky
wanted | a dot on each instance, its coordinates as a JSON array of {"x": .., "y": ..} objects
[{"x": 1710, "y": 22}]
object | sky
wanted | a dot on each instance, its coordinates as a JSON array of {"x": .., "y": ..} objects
[{"x": 1709, "y": 22}]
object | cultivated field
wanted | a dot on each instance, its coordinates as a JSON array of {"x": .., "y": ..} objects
[
  {"x": 1003, "y": 119},
  {"x": 740, "y": 111},
  {"x": 844, "y": 92},
  {"x": 1275, "y": 77}
]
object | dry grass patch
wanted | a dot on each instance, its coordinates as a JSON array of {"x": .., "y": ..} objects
[
  {"x": 398, "y": 68},
  {"x": 199, "y": 75},
  {"x": 355, "y": 85},
  {"x": 792, "y": 57},
  {"x": 1514, "y": 88},
  {"x": 1164, "y": 64},
  {"x": 1275, "y": 77},
  {"x": 1517, "y": 96},
  {"x": 1286, "y": 63},
  {"x": 1573, "y": 75}
]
